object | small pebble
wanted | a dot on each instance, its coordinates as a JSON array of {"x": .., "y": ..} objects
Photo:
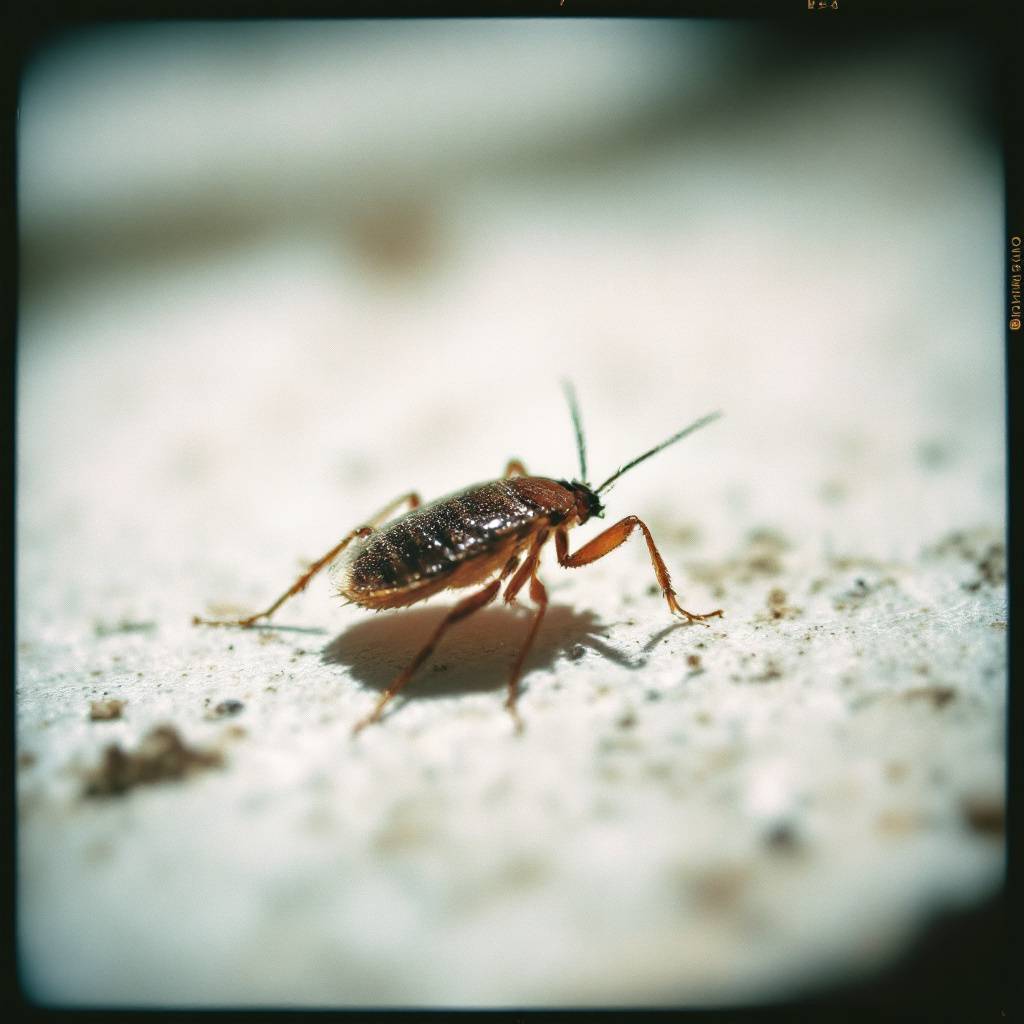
[{"x": 105, "y": 710}]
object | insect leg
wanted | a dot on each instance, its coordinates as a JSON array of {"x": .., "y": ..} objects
[
  {"x": 608, "y": 541},
  {"x": 539, "y": 596},
  {"x": 412, "y": 499},
  {"x": 528, "y": 568},
  {"x": 464, "y": 608},
  {"x": 515, "y": 468}
]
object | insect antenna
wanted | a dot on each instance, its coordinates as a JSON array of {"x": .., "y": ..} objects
[
  {"x": 702, "y": 422},
  {"x": 577, "y": 423}
]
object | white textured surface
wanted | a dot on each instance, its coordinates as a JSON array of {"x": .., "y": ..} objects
[{"x": 791, "y": 808}]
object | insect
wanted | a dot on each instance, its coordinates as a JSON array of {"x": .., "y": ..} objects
[{"x": 490, "y": 533}]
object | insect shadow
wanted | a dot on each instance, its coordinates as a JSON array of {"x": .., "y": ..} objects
[
  {"x": 475, "y": 656},
  {"x": 662, "y": 634}
]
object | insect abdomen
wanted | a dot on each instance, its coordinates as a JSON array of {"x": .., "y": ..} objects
[{"x": 428, "y": 549}]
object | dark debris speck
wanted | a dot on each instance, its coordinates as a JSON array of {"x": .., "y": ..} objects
[
  {"x": 940, "y": 696},
  {"x": 123, "y": 626},
  {"x": 225, "y": 709},
  {"x": 161, "y": 755},
  {"x": 782, "y": 837},
  {"x": 985, "y": 815},
  {"x": 105, "y": 710},
  {"x": 771, "y": 671}
]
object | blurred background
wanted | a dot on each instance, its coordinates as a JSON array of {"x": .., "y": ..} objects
[{"x": 274, "y": 274}]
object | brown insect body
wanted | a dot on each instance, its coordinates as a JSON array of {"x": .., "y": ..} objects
[
  {"x": 482, "y": 536},
  {"x": 456, "y": 541}
]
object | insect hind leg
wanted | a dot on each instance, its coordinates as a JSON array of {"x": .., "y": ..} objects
[
  {"x": 412, "y": 499},
  {"x": 462, "y": 610},
  {"x": 539, "y": 596}
]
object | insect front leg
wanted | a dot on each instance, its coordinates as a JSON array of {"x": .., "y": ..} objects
[
  {"x": 608, "y": 541},
  {"x": 412, "y": 499}
]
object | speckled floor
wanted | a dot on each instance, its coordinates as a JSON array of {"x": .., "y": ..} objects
[{"x": 691, "y": 815}]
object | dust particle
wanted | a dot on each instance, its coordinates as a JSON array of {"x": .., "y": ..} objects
[
  {"x": 769, "y": 538},
  {"x": 123, "y": 626},
  {"x": 985, "y": 815},
  {"x": 846, "y": 562},
  {"x": 860, "y": 591},
  {"x": 694, "y": 663},
  {"x": 720, "y": 889},
  {"x": 105, "y": 710},
  {"x": 940, "y": 696},
  {"x": 26, "y": 759},
  {"x": 162, "y": 755},
  {"x": 396, "y": 238},
  {"x": 225, "y": 709},
  {"x": 992, "y": 566},
  {"x": 981, "y": 547},
  {"x": 777, "y": 606},
  {"x": 772, "y": 670},
  {"x": 577, "y": 652},
  {"x": 782, "y": 838}
]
